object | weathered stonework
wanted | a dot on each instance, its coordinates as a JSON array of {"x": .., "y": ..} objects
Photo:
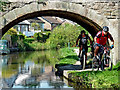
[{"x": 95, "y": 13}]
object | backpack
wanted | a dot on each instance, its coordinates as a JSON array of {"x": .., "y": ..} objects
[
  {"x": 102, "y": 36},
  {"x": 106, "y": 36}
]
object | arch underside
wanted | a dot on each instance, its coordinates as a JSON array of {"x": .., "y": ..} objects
[{"x": 86, "y": 23}]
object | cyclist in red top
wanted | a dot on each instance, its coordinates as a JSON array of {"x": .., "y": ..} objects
[{"x": 101, "y": 39}]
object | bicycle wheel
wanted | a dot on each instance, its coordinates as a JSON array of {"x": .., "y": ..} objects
[
  {"x": 98, "y": 65},
  {"x": 110, "y": 63},
  {"x": 93, "y": 63},
  {"x": 102, "y": 65},
  {"x": 84, "y": 61}
]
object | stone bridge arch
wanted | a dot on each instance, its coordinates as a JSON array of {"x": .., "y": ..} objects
[
  {"x": 85, "y": 22},
  {"x": 66, "y": 10},
  {"x": 76, "y": 12}
]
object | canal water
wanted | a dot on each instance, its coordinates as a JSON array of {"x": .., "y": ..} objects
[{"x": 31, "y": 70}]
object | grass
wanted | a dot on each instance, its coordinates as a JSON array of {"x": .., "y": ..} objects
[
  {"x": 67, "y": 56},
  {"x": 100, "y": 79}
]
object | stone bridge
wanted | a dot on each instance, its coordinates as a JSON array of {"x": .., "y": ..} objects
[{"x": 91, "y": 14}]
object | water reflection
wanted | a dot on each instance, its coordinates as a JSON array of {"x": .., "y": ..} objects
[{"x": 31, "y": 70}]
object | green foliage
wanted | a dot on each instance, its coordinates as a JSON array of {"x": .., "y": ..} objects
[
  {"x": 2, "y": 5},
  {"x": 14, "y": 38},
  {"x": 36, "y": 26},
  {"x": 37, "y": 37},
  {"x": 41, "y": 36},
  {"x": 21, "y": 45},
  {"x": 21, "y": 36},
  {"x": 61, "y": 35},
  {"x": 29, "y": 40},
  {"x": 33, "y": 46},
  {"x": 11, "y": 33},
  {"x": 37, "y": 46}
]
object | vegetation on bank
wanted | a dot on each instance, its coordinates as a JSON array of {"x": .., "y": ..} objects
[
  {"x": 93, "y": 79},
  {"x": 11, "y": 35},
  {"x": 67, "y": 56},
  {"x": 99, "y": 79},
  {"x": 62, "y": 36}
]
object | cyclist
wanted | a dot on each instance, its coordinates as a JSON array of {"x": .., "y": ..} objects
[
  {"x": 101, "y": 39},
  {"x": 83, "y": 39}
]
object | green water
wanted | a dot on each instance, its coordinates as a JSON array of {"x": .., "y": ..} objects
[{"x": 39, "y": 67}]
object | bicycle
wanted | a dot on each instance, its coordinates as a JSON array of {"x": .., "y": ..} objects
[
  {"x": 107, "y": 61},
  {"x": 82, "y": 57},
  {"x": 103, "y": 59}
]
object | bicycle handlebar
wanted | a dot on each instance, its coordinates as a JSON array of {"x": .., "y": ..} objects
[{"x": 108, "y": 47}]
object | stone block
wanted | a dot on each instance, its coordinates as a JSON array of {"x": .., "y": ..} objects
[
  {"x": 18, "y": 12},
  {"x": 40, "y": 6},
  {"x": 9, "y": 17},
  {"x": 34, "y": 7},
  {"x": 1, "y": 21},
  {"x": 79, "y": 9},
  {"x": 111, "y": 3},
  {"x": 58, "y": 5},
  {"x": 107, "y": 13},
  {"x": 26, "y": 9},
  {"x": 115, "y": 13}
]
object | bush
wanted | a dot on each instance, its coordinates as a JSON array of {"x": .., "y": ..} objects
[
  {"x": 61, "y": 35},
  {"x": 13, "y": 35},
  {"x": 21, "y": 36},
  {"x": 41, "y": 36},
  {"x": 37, "y": 37},
  {"x": 29, "y": 40}
]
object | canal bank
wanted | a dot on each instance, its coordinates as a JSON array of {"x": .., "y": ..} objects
[
  {"x": 65, "y": 69},
  {"x": 94, "y": 79},
  {"x": 76, "y": 66}
]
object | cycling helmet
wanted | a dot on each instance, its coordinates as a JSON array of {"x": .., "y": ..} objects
[
  {"x": 105, "y": 28},
  {"x": 82, "y": 31}
]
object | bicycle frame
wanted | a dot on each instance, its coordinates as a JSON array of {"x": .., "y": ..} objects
[
  {"x": 104, "y": 58},
  {"x": 82, "y": 57}
]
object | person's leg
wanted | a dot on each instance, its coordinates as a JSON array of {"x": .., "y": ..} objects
[
  {"x": 80, "y": 50},
  {"x": 86, "y": 50},
  {"x": 85, "y": 58},
  {"x": 81, "y": 61},
  {"x": 96, "y": 50}
]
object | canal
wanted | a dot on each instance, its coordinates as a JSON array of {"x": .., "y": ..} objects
[{"x": 34, "y": 69}]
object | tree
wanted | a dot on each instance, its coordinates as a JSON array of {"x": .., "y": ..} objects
[
  {"x": 64, "y": 34},
  {"x": 2, "y": 5},
  {"x": 36, "y": 26},
  {"x": 11, "y": 33}
]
